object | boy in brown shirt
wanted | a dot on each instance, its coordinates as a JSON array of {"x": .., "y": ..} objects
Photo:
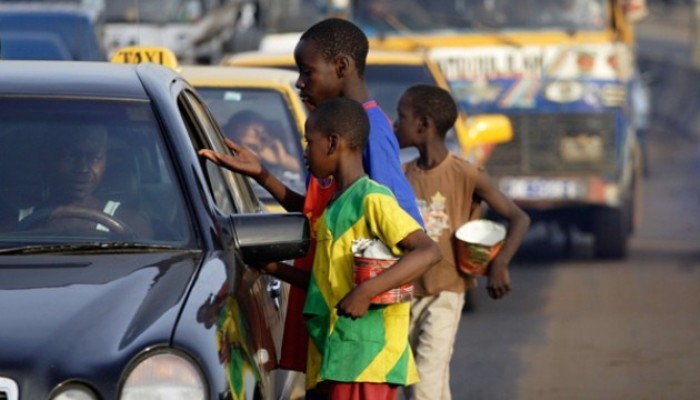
[{"x": 448, "y": 191}]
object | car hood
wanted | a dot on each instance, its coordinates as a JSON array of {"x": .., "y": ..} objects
[{"x": 76, "y": 313}]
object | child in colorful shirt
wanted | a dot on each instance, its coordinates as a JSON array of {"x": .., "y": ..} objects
[
  {"x": 449, "y": 191},
  {"x": 356, "y": 351}
]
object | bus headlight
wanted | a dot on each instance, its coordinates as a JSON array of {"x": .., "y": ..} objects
[{"x": 164, "y": 375}]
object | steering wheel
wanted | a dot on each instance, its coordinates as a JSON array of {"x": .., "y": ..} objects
[{"x": 74, "y": 212}]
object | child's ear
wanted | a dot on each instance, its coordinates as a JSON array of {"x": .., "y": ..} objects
[
  {"x": 333, "y": 141},
  {"x": 342, "y": 65},
  {"x": 423, "y": 123}
]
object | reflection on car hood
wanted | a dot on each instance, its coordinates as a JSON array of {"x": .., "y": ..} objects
[{"x": 70, "y": 313}]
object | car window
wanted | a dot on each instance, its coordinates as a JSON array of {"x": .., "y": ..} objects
[
  {"x": 74, "y": 29},
  {"x": 261, "y": 120},
  {"x": 75, "y": 170},
  {"x": 33, "y": 46},
  {"x": 387, "y": 83},
  {"x": 230, "y": 192}
]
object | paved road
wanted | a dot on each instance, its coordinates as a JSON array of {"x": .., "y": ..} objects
[{"x": 574, "y": 328}]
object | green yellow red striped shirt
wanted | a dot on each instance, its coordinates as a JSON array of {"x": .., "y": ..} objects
[{"x": 373, "y": 348}]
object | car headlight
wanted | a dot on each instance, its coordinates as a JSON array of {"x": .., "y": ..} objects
[
  {"x": 164, "y": 375},
  {"x": 73, "y": 391},
  {"x": 564, "y": 91}
]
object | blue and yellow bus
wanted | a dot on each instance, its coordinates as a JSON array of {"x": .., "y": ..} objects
[{"x": 562, "y": 71}]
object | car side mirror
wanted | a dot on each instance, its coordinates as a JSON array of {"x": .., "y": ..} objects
[{"x": 263, "y": 238}]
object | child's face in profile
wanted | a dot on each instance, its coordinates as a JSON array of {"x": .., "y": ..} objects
[
  {"x": 318, "y": 80},
  {"x": 406, "y": 124},
  {"x": 316, "y": 156}
]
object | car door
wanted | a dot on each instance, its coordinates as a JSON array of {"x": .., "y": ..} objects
[{"x": 252, "y": 315}]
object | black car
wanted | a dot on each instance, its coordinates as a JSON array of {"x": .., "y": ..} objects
[{"x": 124, "y": 257}]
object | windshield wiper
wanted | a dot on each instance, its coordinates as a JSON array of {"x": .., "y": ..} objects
[{"x": 90, "y": 247}]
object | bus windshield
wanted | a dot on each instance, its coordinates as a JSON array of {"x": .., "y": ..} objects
[{"x": 425, "y": 16}]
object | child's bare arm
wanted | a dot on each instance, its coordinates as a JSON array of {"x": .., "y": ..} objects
[
  {"x": 421, "y": 253},
  {"x": 518, "y": 223},
  {"x": 247, "y": 163},
  {"x": 292, "y": 275}
]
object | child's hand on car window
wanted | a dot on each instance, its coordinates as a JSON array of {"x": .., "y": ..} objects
[{"x": 244, "y": 161}]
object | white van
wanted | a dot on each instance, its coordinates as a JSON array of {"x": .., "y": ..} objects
[{"x": 195, "y": 30}]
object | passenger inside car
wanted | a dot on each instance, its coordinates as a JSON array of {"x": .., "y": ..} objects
[
  {"x": 249, "y": 129},
  {"x": 82, "y": 196}
]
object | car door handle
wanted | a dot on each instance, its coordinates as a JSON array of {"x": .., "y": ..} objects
[{"x": 274, "y": 289}]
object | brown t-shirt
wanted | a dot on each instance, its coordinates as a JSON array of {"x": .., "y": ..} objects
[{"x": 445, "y": 197}]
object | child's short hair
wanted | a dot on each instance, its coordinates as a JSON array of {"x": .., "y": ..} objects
[
  {"x": 344, "y": 117},
  {"x": 335, "y": 36},
  {"x": 433, "y": 102}
]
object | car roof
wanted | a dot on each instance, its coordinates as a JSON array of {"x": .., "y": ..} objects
[
  {"x": 374, "y": 57},
  {"x": 74, "y": 79},
  {"x": 222, "y": 75}
]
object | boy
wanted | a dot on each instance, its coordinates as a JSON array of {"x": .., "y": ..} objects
[
  {"x": 355, "y": 352},
  {"x": 331, "y": 59},
  {"x": 448, "y": 190}
]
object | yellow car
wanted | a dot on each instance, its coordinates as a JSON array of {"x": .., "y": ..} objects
[
  {"x": 261, "y": 109},
  {"x": 388, "y": 74}
]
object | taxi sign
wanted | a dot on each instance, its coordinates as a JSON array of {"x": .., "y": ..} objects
[{"x": 139, "y": 54}]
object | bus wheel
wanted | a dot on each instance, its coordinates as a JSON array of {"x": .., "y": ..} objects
[{"x": 610, "y": 231}]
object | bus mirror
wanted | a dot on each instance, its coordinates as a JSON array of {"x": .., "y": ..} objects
[{"x": 488, "y": 129}]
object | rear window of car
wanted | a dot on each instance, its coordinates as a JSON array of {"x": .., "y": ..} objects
[{"x": 70, "y": 168}]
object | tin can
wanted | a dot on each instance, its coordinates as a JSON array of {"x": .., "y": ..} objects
[
  {"x": 368, "y": 268},
  {"x": 478, "y": 243}
]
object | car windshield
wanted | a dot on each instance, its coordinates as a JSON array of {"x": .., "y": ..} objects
[
  {"x": 87, "y": 171},
  {"x": 153, "y": 11},
  {"x": 33, "y": 46},
  {"x": 387, "y": 83},
  {"x": 405, "y": 16},
  {"x": 261, "y": 120},
  {"x": 73, "y": 31}
]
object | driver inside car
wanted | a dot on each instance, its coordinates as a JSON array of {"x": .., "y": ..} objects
[{"x": 71, "y": 204}]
